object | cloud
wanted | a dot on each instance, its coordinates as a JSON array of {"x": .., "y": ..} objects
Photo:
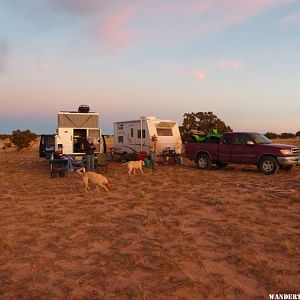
[
  {"x": 121, "y": 23},
  {"x": 291, "y": 19},
  {"x": 233, "y": 64},
  {"x": 199, "y": 75},
  {"x": 115, "y": 30},
  {"x": 179, "y": 21}
]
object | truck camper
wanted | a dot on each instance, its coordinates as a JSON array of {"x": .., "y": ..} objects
[
  {"x": 74, "y": 128},
  {"x": 134, "y": 136}
]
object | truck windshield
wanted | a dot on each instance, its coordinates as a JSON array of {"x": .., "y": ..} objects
[{"x": 260, "y": 139}]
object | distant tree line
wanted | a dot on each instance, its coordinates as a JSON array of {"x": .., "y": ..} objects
[{"x": 284, "y": 135}]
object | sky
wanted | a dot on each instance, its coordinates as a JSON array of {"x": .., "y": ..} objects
[{"x": 239, "y": 59}]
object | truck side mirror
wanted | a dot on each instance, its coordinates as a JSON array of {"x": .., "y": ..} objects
[{"x": 250, "y": 143}]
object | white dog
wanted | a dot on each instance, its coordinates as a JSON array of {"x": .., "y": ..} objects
[
  {"x": 97, "y": 179},
  {"x": 133, "y": 165}
]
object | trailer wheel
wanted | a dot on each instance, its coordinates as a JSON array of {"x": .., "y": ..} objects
[
  {"x": 203, "y": 161},
  {"x": 268, "y": 165}
]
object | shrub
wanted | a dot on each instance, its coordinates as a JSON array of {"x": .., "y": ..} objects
[
  {"x": 22, "y": 139},
  {"x": 271, "y": 135}
]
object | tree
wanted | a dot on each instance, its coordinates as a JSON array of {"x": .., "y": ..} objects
[
  {"x": 298, "y": 133},
  {"x": 287, "y": 135},
  {"x": 22, "y": 139},
  {"x": 202, "y": 121},
  {"x": 271, "y": 135}
]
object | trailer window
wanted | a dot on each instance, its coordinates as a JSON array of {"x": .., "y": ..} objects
[
  {"x": 120, "y": 126},
  {"x": 164, "y": 132},
  {"x": 131, "y": 132},
  {"x": 143, "y": 133},
  {"x": 120, "y": 139}
]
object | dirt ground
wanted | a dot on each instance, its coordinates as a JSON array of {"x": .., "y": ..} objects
[{"x": 173, "y": 233}]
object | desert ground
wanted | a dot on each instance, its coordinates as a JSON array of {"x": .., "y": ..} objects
[{"x": 172, "y": 233}]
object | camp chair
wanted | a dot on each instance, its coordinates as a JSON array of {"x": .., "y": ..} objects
[
  {"x": 73, "y": 165},
  {"x": 102, "y": 162}
]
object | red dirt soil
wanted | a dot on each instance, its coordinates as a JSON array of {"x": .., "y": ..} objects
[{"x": 173, "y": 233}]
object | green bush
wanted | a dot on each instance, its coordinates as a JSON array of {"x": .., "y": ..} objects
[{"x": 22, "y": 139}]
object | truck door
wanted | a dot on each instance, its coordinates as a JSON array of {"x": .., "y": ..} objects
[
  {"x": 95, "y": 135},
  {"x": 225, "y": 148},
  {"x": 241, "y": 151}
]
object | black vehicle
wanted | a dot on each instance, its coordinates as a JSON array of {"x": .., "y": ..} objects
[{"x": 47, "y": 145}]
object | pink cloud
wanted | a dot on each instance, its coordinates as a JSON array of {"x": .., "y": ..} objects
[
  {"x": 115, "y": 30},
  {"x": 199, "y": 75},
  {"x": 175, "y": 20},
  {"x": 291, "y": 19},
  {"x": 233, "y": 64}
]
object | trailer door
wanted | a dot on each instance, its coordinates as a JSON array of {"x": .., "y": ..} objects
[
  {"x": 65, "y": 140},
  {"x": 95, "y": 135}
]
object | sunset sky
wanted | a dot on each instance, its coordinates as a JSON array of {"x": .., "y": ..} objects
[{"x": 126, "y": 59}]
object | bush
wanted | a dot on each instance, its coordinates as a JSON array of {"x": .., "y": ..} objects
[
  {"x": 286, "y": 135},
  {"x": 22, "y": 139},
  {"x": 298, "y": 133},
  {"x": 271, "y": 135}
]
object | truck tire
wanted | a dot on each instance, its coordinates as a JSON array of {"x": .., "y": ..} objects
[
  {"x": 203, "y": 161},
  {"x": 268, "y": 165}
]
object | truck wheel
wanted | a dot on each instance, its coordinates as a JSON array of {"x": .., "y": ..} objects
[
  {"x": 268, "y": 165},
  {"x": 203, "y": 161},
  {"x": 221, "y": 164}
]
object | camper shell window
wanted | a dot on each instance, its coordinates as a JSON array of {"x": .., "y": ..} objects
[
  {"x": 164, "y": 132},
  {"x": 120, "y": 139},
  {"x": 164, "y": 128},
  {"x": 143, "y": 133}
]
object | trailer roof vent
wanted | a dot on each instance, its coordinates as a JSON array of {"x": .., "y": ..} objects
[{"x": 83, "y": 108}]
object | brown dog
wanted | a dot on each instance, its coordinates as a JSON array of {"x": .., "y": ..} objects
[
  {"x": 133, "y": 165},
  {"x": 97, "y": 179}
]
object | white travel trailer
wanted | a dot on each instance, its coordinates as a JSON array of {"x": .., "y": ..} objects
[
  {"x": 134, "y": 136},
  {"x": 74, "y": 128}
]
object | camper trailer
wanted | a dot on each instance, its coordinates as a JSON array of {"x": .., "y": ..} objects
[
  {"x": 74, "y": 128},
  {"x": 134, "y": 136}
]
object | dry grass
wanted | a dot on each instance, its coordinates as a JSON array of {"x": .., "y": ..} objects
[{"x": 175, "y": 233}]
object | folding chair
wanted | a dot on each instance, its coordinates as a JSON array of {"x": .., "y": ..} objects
[{"x": 73, "y": 165}]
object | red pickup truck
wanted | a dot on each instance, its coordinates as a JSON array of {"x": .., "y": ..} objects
[{"x": 244, "y": 148}]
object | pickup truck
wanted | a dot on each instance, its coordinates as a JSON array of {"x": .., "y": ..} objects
[{"x": 244, "y": 148}]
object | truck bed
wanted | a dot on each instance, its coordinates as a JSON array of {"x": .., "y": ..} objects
[{"x": 193, "y": 149}]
